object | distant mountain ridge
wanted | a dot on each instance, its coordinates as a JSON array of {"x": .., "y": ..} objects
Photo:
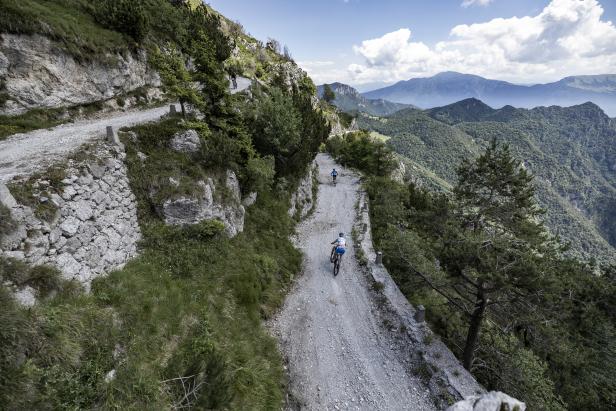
[
  {"x": 570, "y": 150},
  {"x": 349, "y": 99},
  {"x": 449, "y": 87}
]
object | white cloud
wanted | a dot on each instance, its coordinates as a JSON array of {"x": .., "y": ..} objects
[
  {"x": 468, "y": 3},
  {"x": 323, "y": 71},
  {"x": 567, "y": 37}
]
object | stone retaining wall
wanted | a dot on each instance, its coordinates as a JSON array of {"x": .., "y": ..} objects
[
  {"x": 447, "y": 374},
  {"x": 94, "y": 230}
]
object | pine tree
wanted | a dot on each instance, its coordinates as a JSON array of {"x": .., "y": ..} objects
[
  {"x": 493, "y": 253},
  {"x": 177, "y": 80},
  {"x": 328, "y": 93}
]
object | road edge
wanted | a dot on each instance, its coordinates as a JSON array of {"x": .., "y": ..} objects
[{"x": 447, "y": 380}]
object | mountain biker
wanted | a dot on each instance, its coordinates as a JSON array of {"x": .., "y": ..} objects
[
  {"x": 339, "y": 246},
  {"x": 334, "y": 174}
]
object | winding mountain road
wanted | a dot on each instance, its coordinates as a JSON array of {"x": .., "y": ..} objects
[
  {"x": 339, "y": 355},
  {"x": 25, "y": 153}
]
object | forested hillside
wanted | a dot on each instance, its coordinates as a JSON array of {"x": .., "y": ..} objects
[
  {"x": 571, "y": 151},
  {"x": 520, "y": 315},
  {"x": 179, "y": 326}
]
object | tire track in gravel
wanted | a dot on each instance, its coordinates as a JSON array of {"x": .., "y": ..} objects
[{"x": 339, "y": 356}]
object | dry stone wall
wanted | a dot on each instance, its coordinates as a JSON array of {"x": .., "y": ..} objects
[{"x": 95, "y": 228}]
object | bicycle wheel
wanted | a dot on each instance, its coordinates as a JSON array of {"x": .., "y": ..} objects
[{"x": 337, "y": 265}]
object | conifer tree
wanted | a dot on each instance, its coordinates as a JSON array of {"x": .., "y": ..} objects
[
  {"x": 493, "y": 252},
  {"x": 328, "y": 93}
]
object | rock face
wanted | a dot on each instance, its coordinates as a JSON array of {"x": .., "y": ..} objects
[
  {"x": 38, "y": 74},
  {"x": 209, "y": 205},
  {"x": 95, "y": 229},
  {"x": 186, "y": 142},
  {"x": 302, "y": 199},
  {"x": 492, "y": 401}
]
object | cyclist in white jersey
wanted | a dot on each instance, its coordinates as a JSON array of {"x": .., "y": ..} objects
[{"x": 339, "y": 245}]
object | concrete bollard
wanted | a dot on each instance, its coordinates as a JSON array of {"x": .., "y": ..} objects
[
  {"x": 379, "y": 258},
  {"x": 113, "y": 139},
  {"x": 111, "y": 135},
  {"x": 364, "y": 228},
  {"x": 6, "y": 197},
  {"x": 420, "y": 314},
  {"x": 172, "y": 109}
]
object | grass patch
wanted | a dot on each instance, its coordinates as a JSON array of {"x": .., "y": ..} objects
[
  {"x": 33, "y": 193},
  {"x": 44, "y": 118},
  {"x": 166, "y": 315},
  {"x": 69, "y": 22},
  {"x": 32, "y": 120}
]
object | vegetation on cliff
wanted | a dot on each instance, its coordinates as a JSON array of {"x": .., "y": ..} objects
[
  {"x": 181, "y": 325},
  {"x": 524, "y": 318},
  {"x": 569, "y": 150}
]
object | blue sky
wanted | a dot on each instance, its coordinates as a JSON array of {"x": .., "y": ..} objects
[{"x": 372, "y": 42}]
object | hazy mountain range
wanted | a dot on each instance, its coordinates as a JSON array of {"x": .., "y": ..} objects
[
  {"x": 349, "y": 99},
  {"x": 449, "y": 87}
]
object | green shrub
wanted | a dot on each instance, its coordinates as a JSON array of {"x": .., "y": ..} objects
[
  {"x": 125, "y": 16},
  {"x": 363, "y": 152},
  {"x": 44, "y": 279}
]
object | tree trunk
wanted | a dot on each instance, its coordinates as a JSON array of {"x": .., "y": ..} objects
[
  {"x": 182, "y": 102},
  {"x": 474, "y": 328}
]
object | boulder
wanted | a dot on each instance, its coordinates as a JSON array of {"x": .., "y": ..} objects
[
  {"x": 83, "y": 211},
  {"x": 492, "y": 401},
  {"x": 70, "y": 226},
  {"x": 182, "y": 210},
  {"x": 250, "y": 199},
  {"x": 26, "y": 296},
  {"x": 186, "y": 142}
]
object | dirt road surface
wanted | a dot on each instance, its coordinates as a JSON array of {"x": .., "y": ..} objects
[
  {"x": 339, "y": 355},
  {"x": 25, "y": 153}
]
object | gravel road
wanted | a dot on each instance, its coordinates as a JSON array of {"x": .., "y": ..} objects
[
  {"x": 339, "y": 355},
  {"x": 29, "y": 152}
]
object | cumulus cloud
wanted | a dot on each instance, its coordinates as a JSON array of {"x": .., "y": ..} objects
[
  {"x": 567, "y": 37},
  {"x": 468, "y": 3},
  {"x": 323, "y": 71}
]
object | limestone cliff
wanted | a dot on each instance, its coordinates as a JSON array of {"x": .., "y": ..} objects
[{"x": 36, "y": 73}]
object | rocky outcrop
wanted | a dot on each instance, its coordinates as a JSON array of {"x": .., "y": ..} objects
[
  {"x": 492, "y": 401},
  {"x": 95, "y": 227},
  {"x": 37, "y": 73},
  {"x": 212, "y": 203},
  {"x": 186, "y": 142},
  {"x": 399, "y": 173},
  {"x": 302, "y": 199}
]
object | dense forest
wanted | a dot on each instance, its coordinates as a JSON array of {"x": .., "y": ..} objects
[{"x": 497, "y": 287}]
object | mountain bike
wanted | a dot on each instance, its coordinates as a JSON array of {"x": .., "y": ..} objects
[{"x": 336, "y": 259}]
